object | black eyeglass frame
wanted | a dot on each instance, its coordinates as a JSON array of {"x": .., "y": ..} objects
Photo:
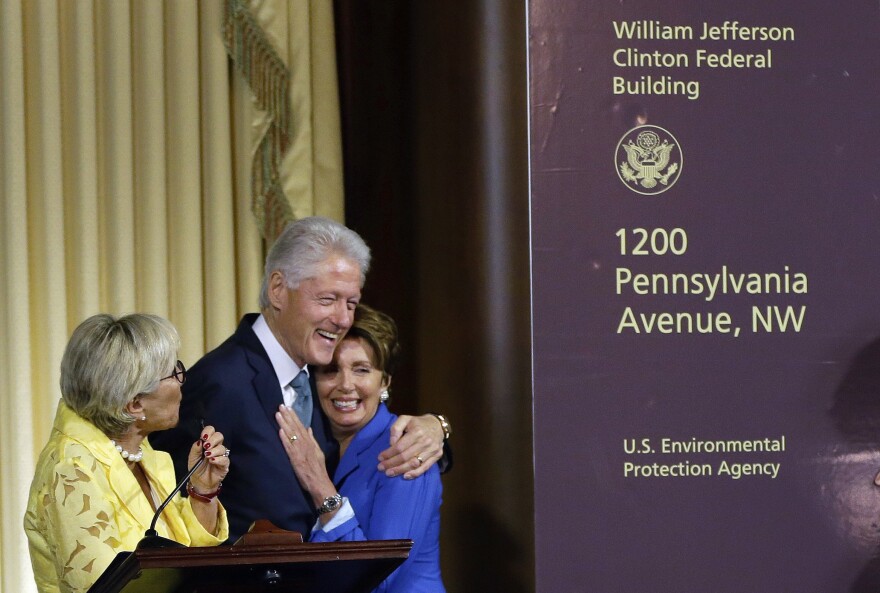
[{"x": 179, "y": 373}]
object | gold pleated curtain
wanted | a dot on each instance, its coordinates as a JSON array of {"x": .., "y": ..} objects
[{"x": 128, "y": 137}]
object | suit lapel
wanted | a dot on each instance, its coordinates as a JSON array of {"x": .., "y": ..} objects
[
  {"x": 265, "y": 384},
  {"x": 126, "y": 488},
  {"x": 359, "y": 449},
  {"x": 264, "y": 381}
]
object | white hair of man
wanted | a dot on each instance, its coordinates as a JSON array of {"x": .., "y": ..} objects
[
  {"x": 109, "y": 361},
  {"x": 305, "y": 244}
]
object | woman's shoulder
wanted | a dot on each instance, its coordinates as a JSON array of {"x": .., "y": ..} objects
[
  {"x": 66, "y": 463},
  {"x": 63, "y": 449}
]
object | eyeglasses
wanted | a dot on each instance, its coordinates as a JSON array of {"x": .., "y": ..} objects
[{"x": 179, "y": 373}]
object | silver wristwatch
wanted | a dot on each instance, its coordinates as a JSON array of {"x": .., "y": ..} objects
[{"x": 331, "y": 503}]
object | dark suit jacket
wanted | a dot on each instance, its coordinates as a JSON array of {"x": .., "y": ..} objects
[{"x": 234, "y": 388}]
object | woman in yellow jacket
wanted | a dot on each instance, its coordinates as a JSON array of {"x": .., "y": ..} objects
[{"x": 98, "y": 481}]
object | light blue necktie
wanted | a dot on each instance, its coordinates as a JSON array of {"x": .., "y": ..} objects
[{"x": 302, "y": 405}]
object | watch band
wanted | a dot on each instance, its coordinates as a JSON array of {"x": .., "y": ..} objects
[
  {"x": 331, "y": 503},
  {"x": 445, "y": 425}
]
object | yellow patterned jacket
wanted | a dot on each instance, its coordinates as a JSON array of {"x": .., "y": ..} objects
[{"x": 85, "y": 506}]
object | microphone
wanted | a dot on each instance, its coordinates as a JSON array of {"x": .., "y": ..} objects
[{"x": 151, "y": 538}]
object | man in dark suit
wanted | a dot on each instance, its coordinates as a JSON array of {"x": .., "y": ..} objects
[{"x": 312, "y": 283}]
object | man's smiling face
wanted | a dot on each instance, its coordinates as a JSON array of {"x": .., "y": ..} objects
[{"x": 314, "y": 317}]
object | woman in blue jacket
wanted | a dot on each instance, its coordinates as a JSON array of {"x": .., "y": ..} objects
[{"x": 361, "y": 503}]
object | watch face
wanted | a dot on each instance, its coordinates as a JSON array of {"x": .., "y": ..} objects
[{"x": 331, "y": 503}]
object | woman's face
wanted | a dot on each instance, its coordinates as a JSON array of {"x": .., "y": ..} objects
[
  {"x": 162, "y": 406},
  {"x": 349, "y": 387}
]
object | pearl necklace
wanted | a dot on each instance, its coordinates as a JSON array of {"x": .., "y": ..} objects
[{"x": 133, "y": 457}]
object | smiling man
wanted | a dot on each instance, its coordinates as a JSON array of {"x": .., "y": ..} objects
[
  {"x": 308, "y": 320},
  {"x": 312, "y": 283}
]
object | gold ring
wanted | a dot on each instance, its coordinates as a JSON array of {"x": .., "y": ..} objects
[
  {"x": 420, "y": 460},
  {"x": 291, "y": 438}
]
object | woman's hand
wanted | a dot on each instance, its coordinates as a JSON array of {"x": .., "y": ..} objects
[
  {"x": 306, "y": 456},
  {"x": 207, "y": 478},
  {"x": 206, "y": 481}
]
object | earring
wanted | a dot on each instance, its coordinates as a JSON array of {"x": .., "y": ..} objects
[
  {"x": 143, "y": 418},
  {"x": 383, "y": 397}
]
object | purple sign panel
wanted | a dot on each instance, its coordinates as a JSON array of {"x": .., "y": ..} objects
[{"x": 705, "y": 203}]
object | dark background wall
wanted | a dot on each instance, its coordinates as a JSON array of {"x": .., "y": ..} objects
[{"x": 435, "y": 144}]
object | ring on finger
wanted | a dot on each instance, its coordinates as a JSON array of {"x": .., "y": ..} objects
[
  {"x": 291, "y": 438},
  {"x": 227, "y": 452},
  {"x": 419, "y": 459}
]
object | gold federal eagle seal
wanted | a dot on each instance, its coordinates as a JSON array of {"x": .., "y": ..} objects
[{"x": 648, "y": 160}]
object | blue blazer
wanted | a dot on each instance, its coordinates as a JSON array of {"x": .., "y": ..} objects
[
  {"x": 390, "y": 508},
  {"x": 234, "y": 388}
]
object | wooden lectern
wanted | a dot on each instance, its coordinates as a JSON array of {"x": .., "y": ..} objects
[{"x": 256, "y": 564}]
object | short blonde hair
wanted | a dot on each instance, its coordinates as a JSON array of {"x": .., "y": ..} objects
[{"x": 109, "y": 361}]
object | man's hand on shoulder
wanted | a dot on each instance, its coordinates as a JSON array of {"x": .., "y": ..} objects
[{"x": 416, "y": 445}]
